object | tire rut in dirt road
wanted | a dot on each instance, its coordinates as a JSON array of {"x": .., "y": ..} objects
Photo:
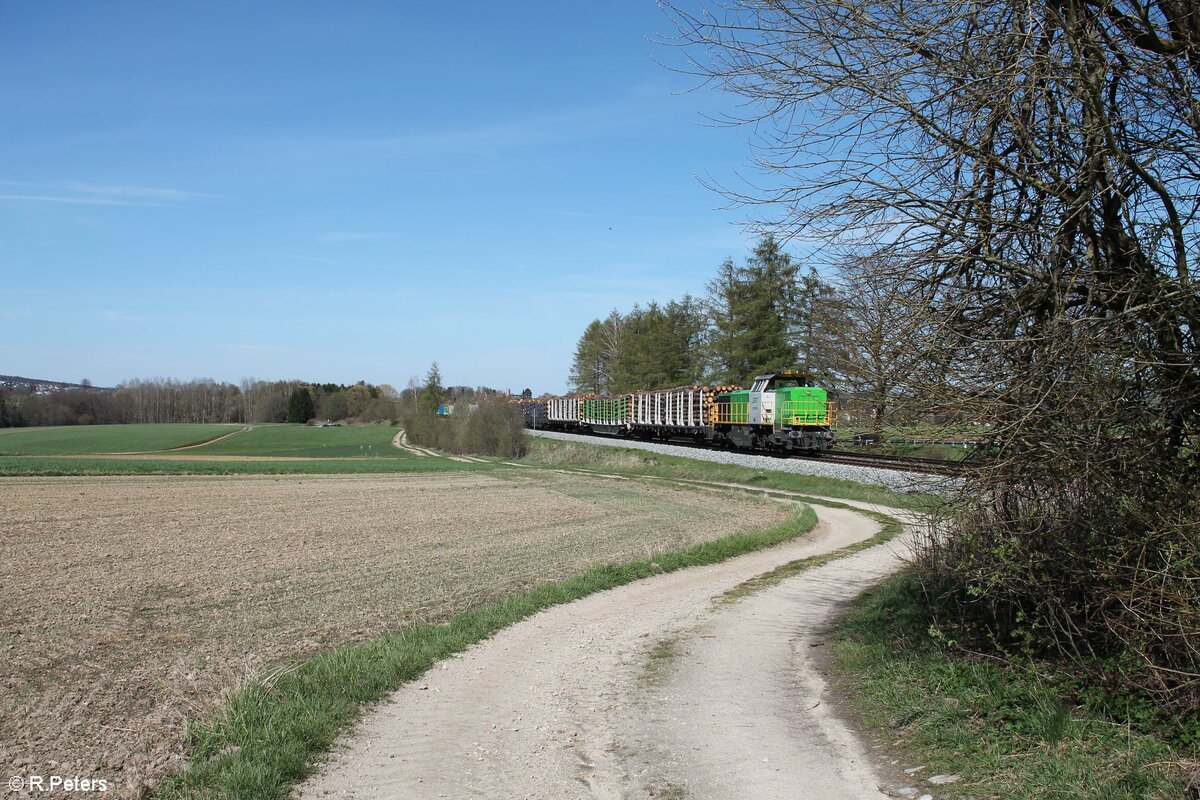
[
  {"x": 647, "y": 690},
  {"x": 740, "y": 709}
]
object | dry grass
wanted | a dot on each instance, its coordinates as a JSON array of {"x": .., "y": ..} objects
[{"x": 128, "y": 605}]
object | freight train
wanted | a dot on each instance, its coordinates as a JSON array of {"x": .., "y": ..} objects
[{"x": 781, "y": 411}]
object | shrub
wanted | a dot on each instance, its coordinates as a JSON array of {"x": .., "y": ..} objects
[
  {"x": 492, "y": 428},
  {"x": 1099, "y": 565}
]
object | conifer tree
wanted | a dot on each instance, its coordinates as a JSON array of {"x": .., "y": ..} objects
[
  {"x": 433, "y": 391},
  {"x": 756, "y": 314},
  {"x": 300, "y": 405}
]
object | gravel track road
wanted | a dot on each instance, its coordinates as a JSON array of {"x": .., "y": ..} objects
[{"x": 655, "y": 689}]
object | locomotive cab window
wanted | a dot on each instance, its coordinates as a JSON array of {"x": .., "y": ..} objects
[{"x": 781, "y": 382}]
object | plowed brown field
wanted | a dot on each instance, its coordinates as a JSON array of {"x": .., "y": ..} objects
[{"x": 128, "y": 605}]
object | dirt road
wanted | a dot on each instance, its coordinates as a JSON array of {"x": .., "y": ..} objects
[{"x": 651, "y": 690}]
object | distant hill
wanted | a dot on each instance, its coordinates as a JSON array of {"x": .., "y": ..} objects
[{"x": 42, "y": 386}]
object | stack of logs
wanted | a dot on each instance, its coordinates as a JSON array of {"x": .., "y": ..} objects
[
  {"x": 681, "y": 407},
  {"x": 710, "y": 403},
  {"x": 531, "y": 409}
]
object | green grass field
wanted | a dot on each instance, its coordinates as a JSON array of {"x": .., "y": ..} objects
[
  {"x": 30, "y": 466},
  {"x": 302, "y": 441},
  {"x": 92, "y": 439},
  {"x": 293, "y": 449}
]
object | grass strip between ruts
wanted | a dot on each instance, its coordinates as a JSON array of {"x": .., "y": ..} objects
[
  {"x": 890, "y": 528},
  {"x": 270, "y": 731}
]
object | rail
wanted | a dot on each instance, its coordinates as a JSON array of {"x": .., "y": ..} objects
[{"x": 932, "y": 466}]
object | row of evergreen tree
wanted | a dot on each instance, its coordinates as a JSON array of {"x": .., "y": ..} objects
[{"x": 756, "y": 317}]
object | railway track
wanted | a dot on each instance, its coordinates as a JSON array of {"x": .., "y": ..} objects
[{"x": 928, "y": 466}]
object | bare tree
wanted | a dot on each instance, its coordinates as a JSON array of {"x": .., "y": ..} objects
[
  {"x": 596, "y": 354},
  {"x": 1031, "y": 170},
  {"x": 873, "y": 344}
]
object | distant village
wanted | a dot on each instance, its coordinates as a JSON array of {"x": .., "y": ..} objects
[{"x": 14, "y": 383}]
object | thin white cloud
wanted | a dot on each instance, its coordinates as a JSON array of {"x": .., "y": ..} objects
[
  {"x": 353, "y": 236},
  {"x": 109, "y": 315},
  {"x": 579, "y": 214},
  {"x": 143, "y": 192},
  {"x": 81, "y": 193},
  {"x": 86, "y": 201},
  {"x": 313, "y": 259},
  {"x": 617, "y": 217},
  {"x": 488, "y": 139}
]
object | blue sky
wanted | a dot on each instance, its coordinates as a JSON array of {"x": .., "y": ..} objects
[{"x": 345, "y": 191}]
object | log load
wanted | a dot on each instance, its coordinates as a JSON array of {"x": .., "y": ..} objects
[{"x": 684, "y": 407}]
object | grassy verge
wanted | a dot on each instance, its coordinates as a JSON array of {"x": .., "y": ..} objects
[
  {"x": 1007, "y": 730},
  {"x": 271, "y": 730},
  {"x": 626, "y": 461}
]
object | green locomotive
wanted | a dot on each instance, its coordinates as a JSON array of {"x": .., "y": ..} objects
[{"x": 780, "y": 411}]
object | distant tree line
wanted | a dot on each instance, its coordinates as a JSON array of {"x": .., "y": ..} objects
[{"x": 201, "y": 401}]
